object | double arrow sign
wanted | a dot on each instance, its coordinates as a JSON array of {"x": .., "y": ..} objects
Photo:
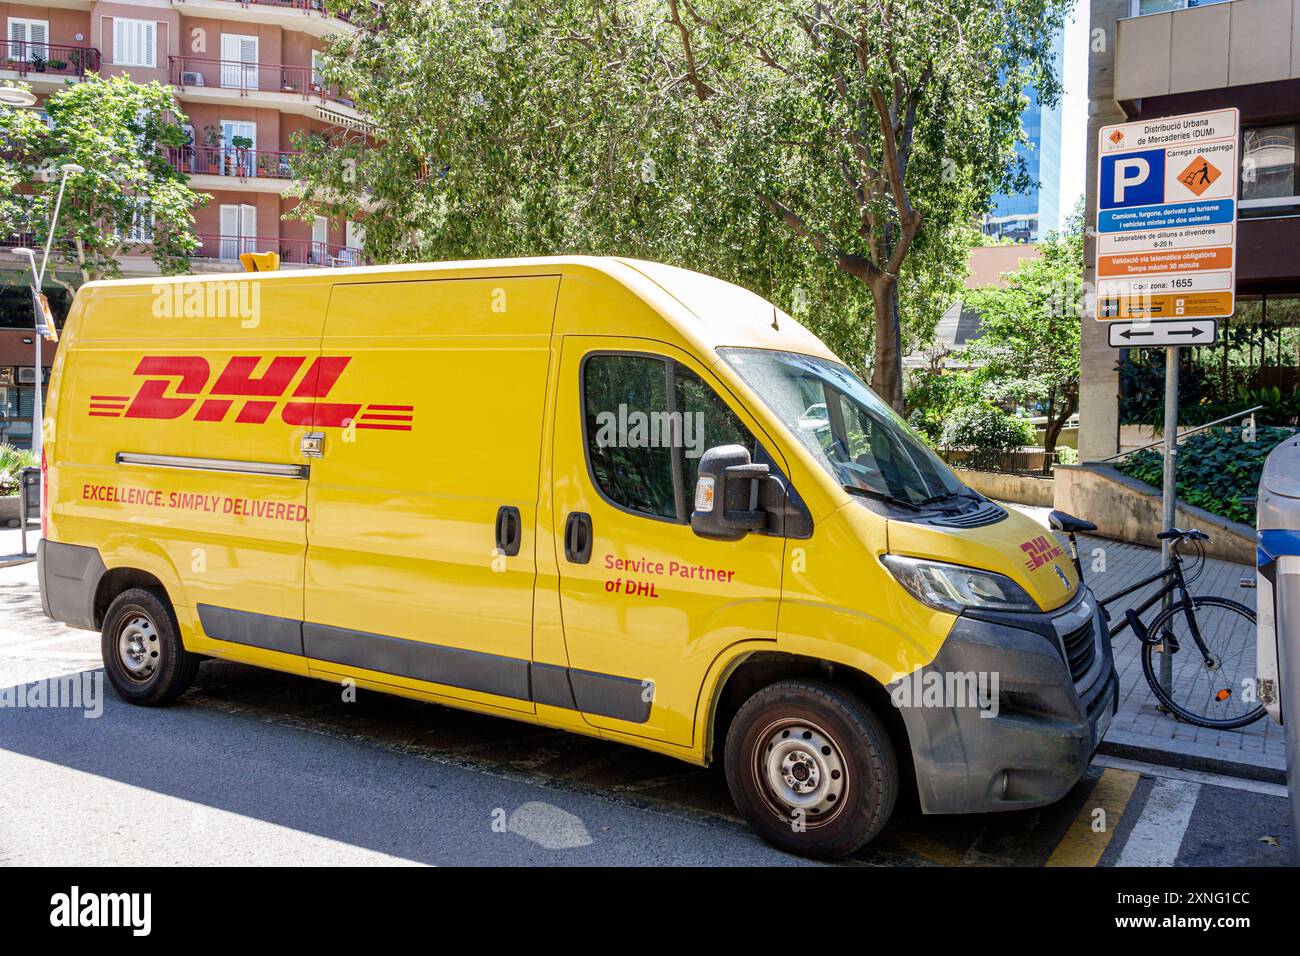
[{"x": 1126, "y": 335}]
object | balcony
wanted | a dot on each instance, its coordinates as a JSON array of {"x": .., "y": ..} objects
[
  {"x": 293, "y": 252},
  {"x": 243, "y": 78},
  {"x": 232, "y": 161},
  {"x": 55, "y": 60},
  {"x": 309, "y": 16},
  {"x": 1207, "y": 47}
]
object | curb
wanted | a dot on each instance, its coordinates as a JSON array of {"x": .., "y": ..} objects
[
  {"x": 13, "y": 562},
  {"x": 1193, "y": 756}
]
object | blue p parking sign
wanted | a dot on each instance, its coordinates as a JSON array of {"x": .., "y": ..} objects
[{"x": 1132, "y": 179}]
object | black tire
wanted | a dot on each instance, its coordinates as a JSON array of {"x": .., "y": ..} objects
[
  {"x": 143, "y": 655},
  {"x": 789, "y": 724},
  {"x": 1203, "y": 716}
]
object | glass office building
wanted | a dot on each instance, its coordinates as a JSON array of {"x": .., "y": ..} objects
[{"x": 1031, "y": 215}]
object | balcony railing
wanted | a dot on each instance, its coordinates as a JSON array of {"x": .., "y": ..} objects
[
  {"x": 232, "y": 161},
  {"x": 54, "y": 58},
  {"x": 302, "y": 252},
  {"x": 306, "y": 6},
  {"x": 191, "y": 71}
]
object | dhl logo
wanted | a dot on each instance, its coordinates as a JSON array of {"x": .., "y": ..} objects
[
  {"x": 175, "y": 384},
  {"x": 1040, "y": 551}
]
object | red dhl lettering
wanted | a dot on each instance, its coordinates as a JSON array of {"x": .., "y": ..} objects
[{"x": 176, "y": 386}]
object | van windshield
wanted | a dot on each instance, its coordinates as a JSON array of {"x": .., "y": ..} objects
[{"x": 860, "y": 441}]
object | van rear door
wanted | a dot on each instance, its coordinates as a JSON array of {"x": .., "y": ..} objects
[
  {"x": 430, "y": 458},
  {"x": 178, "y": 436}
]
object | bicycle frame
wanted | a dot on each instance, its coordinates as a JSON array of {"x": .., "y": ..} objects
[{"x": 1173, "y": 576}]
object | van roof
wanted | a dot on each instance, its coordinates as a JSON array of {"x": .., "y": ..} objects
[{"x": 710, "y": 312}]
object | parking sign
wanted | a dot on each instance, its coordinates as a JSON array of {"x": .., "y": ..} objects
[{"x": 1166, "y": 218}]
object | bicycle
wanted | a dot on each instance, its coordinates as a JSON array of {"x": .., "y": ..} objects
[{"x": 1208, "y": 663}]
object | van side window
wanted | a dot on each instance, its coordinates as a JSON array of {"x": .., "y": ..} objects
[
  {"x": 648, "y": 421},
  {"x": 707, "y": 421},
  {"x": 625, "y": 398}
]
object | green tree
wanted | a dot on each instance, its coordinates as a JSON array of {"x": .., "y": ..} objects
[
  {"x": 119, "y": 131},
  {"x": 829, "y": 153},
  {"x": 1028, "y": 349}
]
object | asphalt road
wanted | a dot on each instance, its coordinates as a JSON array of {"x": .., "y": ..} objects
[{"x": 252, "y": 767}]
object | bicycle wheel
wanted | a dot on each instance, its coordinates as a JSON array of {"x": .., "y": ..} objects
[{"x": 1215, "y": 695}]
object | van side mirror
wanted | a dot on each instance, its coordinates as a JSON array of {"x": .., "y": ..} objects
[{"x": 727, "y": 494}]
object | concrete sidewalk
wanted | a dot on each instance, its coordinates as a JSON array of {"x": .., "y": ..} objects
[
  {"x": 11, "y": 545},
  {"x": 1139, "y": 730}
]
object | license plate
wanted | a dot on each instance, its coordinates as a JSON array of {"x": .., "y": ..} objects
[{"x": 1103, "y": 722}]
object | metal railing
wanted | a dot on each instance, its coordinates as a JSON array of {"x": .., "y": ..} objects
[
  {"x": 232, "y": 161},
  {"x": 1182, "y": 433},
  {"x": 305, "y": 6},
  {"x": 57, "y": 58},
  {"x": 302, "y": 252},
  {"x": 194, "y": 72}
]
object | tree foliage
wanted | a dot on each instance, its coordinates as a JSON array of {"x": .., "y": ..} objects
[
  {"x": 1028, "y": 349},
  {"x": 829, "y": 155},
  {"x": 119, "y": 132}
]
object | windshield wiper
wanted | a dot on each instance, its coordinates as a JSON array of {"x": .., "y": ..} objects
[
  {"x": 880, "y": 496},
  {"x": 964, "y": 493}
]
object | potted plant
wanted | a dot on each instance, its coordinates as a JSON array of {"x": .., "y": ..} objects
[
  {"x": 38, "y": 63},
  {"x": 211, "y": 150},
  {"x": 242, "y": 145},
  {"x": 58, "y": 66}
]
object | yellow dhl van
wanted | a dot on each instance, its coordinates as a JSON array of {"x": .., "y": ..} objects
[{"x": 604, "y": 495}]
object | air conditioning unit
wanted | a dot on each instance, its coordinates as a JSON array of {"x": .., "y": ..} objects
[
  {"x": 189, "y": 78},
  {"x": 26, "y": 375}
]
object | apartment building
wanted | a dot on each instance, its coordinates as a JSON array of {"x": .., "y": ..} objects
[
  {"x": 1167, "y": 57},
  {"x": 245, "y": 73}
]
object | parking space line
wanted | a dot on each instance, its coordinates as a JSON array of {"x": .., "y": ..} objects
[
  {"x": 1082, "y": 845},
  {"x": 1158, "y": 834}
]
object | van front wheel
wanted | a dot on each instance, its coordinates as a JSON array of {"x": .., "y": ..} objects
[
  {"x": 811, "y": 768},
  {"x": 143, "y": 655}
]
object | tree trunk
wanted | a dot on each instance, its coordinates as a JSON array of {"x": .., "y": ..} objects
[
  {"x": 1053, "y": 430},
  {"x": 887, "y": 370}
]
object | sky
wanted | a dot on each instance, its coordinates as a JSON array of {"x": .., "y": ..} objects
[{"x": 1074, "y": 110}]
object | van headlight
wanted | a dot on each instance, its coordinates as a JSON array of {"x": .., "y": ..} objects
[{"x": 953, "y": 588}]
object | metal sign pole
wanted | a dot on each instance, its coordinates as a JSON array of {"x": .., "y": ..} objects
[{"x": 1170, "y": 493}]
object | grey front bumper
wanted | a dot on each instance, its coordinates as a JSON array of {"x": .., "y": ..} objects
[{"x": 1036, "y": 741}]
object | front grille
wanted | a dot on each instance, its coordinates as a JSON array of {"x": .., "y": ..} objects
[{"x": 1080, "y": 650}]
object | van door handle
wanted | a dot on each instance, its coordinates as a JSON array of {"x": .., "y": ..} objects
[
  {"x": 577, "y": 537},
  {"x": 509, "y": 530}
]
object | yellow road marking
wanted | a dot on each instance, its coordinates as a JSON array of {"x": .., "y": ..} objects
[{"x": 1083, "y": 846}]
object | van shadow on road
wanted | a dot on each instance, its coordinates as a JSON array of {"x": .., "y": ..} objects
[{"x": 288, "y": 750}]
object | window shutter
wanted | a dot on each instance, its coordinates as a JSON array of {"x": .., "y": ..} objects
[{"x": 134, "y": 42}]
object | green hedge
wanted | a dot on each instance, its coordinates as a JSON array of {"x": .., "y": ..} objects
[{"x": 1216, "y": 468}]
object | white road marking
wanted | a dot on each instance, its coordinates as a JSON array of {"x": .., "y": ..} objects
[
  {"x": 1192, "y": 776},
  {"x": 1158, "y": 834}
]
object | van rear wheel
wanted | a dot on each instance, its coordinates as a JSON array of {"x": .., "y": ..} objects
[
  {"x": 143, "y": 655},
  {"x": 811, "y": 768}
]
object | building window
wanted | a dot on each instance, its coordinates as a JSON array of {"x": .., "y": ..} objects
[
  {"x": 1140, "y": 8},
  {"x": 29, "y": 39},
  {"x": 141, "y": 231},
  {"x": 135, "y": 42},
  {"x": 1269, "y": 171}
]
